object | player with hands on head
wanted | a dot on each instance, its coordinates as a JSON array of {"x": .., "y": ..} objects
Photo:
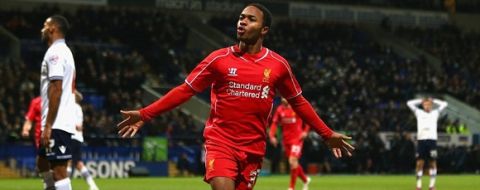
[{"x": 427, "y": 119}]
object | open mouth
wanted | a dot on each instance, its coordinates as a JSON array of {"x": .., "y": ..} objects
[{"x": 240, "y": 30}]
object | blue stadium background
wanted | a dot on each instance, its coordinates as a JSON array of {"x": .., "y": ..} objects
[{"x": 357, "y": 61}]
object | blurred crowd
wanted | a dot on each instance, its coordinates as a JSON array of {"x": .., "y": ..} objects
[
  {"x": 459, "y": 56},
  {"x": 116, "y": 50},
  {"x": 361, "y": 87},
  {"x": 16, "y": 90},
  {"x": 355, "y": 84},
  {"x": 471, "y": 6}
]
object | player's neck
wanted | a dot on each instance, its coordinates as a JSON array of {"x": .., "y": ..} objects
[
  {"x": 250, "y": 48},
  {"x": 54, "y": 38}
]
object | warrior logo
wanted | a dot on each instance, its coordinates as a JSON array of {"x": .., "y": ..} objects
[{"x": 232, "y": 72}]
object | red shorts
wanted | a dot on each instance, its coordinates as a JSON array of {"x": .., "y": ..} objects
[
  {"x": 224, "y": 161},
  {"x": 293, "y": 150}
]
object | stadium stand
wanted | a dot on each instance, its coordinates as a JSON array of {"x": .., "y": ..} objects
[
  {"x": 458, "y": 51},
  {"x": 356, "y": 84}
]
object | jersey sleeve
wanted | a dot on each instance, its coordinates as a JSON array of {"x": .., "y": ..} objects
[
  {"x": 55, "y": 66},
  {"x": 273, "y": 126},
  {"x": 31, "y": 111},
  {"x": 204, "y": 75},
  {"x": 288, "y": 85},
  {"x": 412, "y": 104},
  {"x": 303, "y": 108}
]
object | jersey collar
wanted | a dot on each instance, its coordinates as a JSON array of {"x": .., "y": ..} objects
[
  {"x": 251, "y": 57},
  {"x": 61, "y": 40}
]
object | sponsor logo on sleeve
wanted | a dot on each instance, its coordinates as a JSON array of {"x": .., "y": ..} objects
[{"x": 53, "y": 59}]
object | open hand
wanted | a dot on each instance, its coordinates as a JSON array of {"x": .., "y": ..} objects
[
  {"x": 130, "y": 124},
  {"x": 338, "y": 144}
]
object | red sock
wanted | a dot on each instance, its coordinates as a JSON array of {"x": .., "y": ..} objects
[
  {"x": 293, "y": 177},
  {"x": 301, "y": 174}
]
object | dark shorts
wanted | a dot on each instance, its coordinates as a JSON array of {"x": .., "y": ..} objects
[
  {"x": 59, "y": 150},
  {"x": 76, "y": 147},
  {"x": 427, "y": 149}
]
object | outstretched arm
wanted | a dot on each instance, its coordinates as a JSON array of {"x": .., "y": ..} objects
[
  {"x": 441, "y": 104},
  {"x": 135, "y": 119},
  {"x": 303, "y": 108},
  {"x": 412, "y": 104},
  {"x": 336, "y": 141},
  {"x": 172, "y": 99},
  {"x": 200, "y": 78}
]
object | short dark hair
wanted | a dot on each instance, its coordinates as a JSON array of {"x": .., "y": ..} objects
[
  {"x": 267, "y": 15},
  {"x": 62, "y": 23}
]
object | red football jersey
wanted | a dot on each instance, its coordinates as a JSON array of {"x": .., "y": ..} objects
[
  {"x": 243, "y": 88},
  {"x": 34, "y": 114},
  {"x": 291, "y": 124}
]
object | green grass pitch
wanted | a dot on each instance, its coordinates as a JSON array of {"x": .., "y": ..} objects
[{"x": 328, "y": 182}]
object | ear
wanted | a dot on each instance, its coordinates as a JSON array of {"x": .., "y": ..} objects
[
  {"x": 53, "y": 28},
  {"x": 265, "y": 30}
]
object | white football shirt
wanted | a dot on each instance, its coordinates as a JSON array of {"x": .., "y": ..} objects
[
  {"x": 78, "y": 135},
  {"x": 58, "y": 64},
  {"x": 427, "y": 121}
]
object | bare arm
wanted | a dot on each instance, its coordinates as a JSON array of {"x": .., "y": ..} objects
[
  {"x": 54, "y": 95},
  {"x": 26, "y": 128},
  {"x": 29, "y": 117}
]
